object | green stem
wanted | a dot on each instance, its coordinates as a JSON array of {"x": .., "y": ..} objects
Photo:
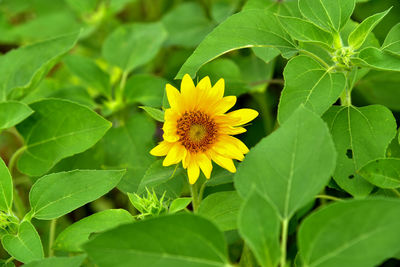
[
  {"x": 52, "y": 235},
  {"x": 397, "y": 193},
  {"x": 195, "y": 197},
  {"x": 284, "y": 236},
  {"x": 19, "y": 204},
  {"x": 328, "y": 197},
  {"x": 314, "y": 57},
  {"x": 345, "y": 98},
  {"x": 120, "y": 93},
  {"x": 14, "y": 158}
]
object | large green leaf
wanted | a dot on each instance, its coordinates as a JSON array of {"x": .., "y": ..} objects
[
  {"x": 360, "y": 34},
  {"x": 26, "y": 66},
  {"x": 290, "y": 166},
  {"x": 356, "y": 233},
  {"x": 329, "y": 14},
  {"x": 179, "y": 240},
  {"x": 56, "y": 130},
  {"x": 375, "y": 58},
  {"x": 25, "y": 246},
  {"x": 384, "y": 173},
  {"x": 250, "y": 28},
  {"x": 57, "y": 194},
  {"x": 145, "y": 89},
  {"x": 131, "y": 46},
  {"x": 392, "y": 41},
  {"x": 308, "y": 83},
  {"x": 360, "y": 135},
  {"x": 187, "y": 25},
  {"x": 259, "y": 225},
  {"x": 12, "y": 113},
  {"x": 75, "y": 261},
  {"x": 78, "y": 233},
  {"x": 222, "y": 208},
  {"x": 6, "y": 188}
]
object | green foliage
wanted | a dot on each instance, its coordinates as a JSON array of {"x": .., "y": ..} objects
[
  {"x": 6, "y": 186},
  {"x": 382, "y": 172},
  {"x": 12, "y": 113}
]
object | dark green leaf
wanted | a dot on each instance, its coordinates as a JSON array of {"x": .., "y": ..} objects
[
  {"x": 384, "y": 173},
  {"x": 145, "y": 89}
]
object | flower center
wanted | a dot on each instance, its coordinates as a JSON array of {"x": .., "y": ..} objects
[{"x": 196, "y": 130}]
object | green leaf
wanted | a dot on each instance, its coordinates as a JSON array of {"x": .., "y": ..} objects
[
  {"x": 222, "y": 208},
  {"x": 91, "y": 74},
  {"x": 25, "y": 67},
  {"x": 308, "y": 83},
  {"x": 187, "y": 25},
  {"x": 179, "y": 204},
  {"x": 259, "y": 225},
  {"x": 370, "y": 235},
  {"x": 131, "y": 46},
  {"x": 375, "y": 58},
  {"x": 360, "y": 34},
  {"x": 78, "y": 233},
  {"x": 252, "y": 28},
  {"x": 305, "y": 31},
  {"x": 56, "y": 130},
  {"x": 384, "y": 173},
  {"x": 57, "y": 194},
  {"x": 360, "y": 135},
  {"x": 291, "y": 165},
  {"x": 155, "y": 113},
  {"x": 6, "y": 188},
  {"x": 392, "y": 41},
  {"x": 222, "y": 9},
  {"x": 12, "y": 113},
  {"x": 25, "y": 246},
  {"x": 179, "y": 240},
  {"x": 153, "y": 95},
  {"x": 75, "y": 261},
  {"x": 328, "y": 14}
]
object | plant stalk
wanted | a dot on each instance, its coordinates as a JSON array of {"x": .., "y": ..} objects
[
  {"x": 284, "y": 236},
  {"x": 52, "y": 235},
  {"x": 195, "y": 197}
]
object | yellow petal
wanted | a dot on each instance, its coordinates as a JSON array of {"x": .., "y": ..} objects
[
  {"x": 186, "y": 160},
  {"x": 204, "y": 84},
  {"x": 242, "y": 116},
  {"x": 193, "y": 172},
  {"x": 175, "y": 155},
  {"x": 171, "y": 115},
  {"x": 229, "y": 150},
  {"x": 174, "y": 97},
  {"x": 223, "y": 161},
  {"x": 224, "y": 104},
  {"x": 169, "y": 129},
  {"x": 162, "y": 149},
  {"x": 205, "y": 164},
  {"x": 231, "y": 130},
  {"x": 188, "y": 88},
  {"x": 218, "y": 89}
]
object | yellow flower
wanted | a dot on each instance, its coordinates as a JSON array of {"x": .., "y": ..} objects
[{"x": 197, "y": 130}]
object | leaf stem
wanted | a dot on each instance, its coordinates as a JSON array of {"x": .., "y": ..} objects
[
  {"x": 284, "y": 236},
  {"x": 397, "y": 193},
  {"x": 52, "y": 234},
  {"x": 14, "y": 158},
  {"x": 315, "y": 57},
  {"x": 328, "y": 197},
  {"x": 195, "y": 196}
]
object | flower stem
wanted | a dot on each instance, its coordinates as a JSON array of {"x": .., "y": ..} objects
[
  {"x": 52, "y": 234},
  {"x": 195, "y": 197},
  {"x": 284, "y": 236}
]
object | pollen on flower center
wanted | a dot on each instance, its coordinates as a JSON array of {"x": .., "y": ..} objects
[{"x": 196, "y": 130}]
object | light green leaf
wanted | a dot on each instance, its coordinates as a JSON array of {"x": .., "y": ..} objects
[
  {"x": 91, "y": 74},
  {"x": 360, "y": 135},
  {"x": 259, "y": 225},
  {"x": 384, "y": 173},
  {"x": 75, "y": 261},
  {"x": 222, "y": 208},
  {"x": 328, "y": 14},
  {"x": 12, "y": 113},
  {"x": 356, "y": 233},
  {"x": 131, "y": 46},
  {"x": 392, "y": 41},
  {"x": 25, "y": 246},
  {"x": 56, "y": 130},
  {"x": 57, "y": 194},
  {"x": 291, "y": 165},
  {"x": 375, "y": 58},
  {"x": 25, "y": 67},
  {"x": 179, "y": 204},
  {"x": 152, "y": 95},
  {"x": 187, "y": 25},
  {"x": 179, "y": 240},
  {"x": 155, "y": 113},
  {"x": 78, "y": 233},
  {"x": 308, "y": 83},
  {"x": 305, "y": 31},
  {"x": 252, "y": 28},
  {"x": 360, "y": 34},
  {"x": 6, "y": 188}
]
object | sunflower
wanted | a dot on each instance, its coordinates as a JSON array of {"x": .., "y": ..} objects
[{"x": 197, "y": 130}]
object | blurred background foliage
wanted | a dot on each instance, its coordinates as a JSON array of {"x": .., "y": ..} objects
[{"x": 128, "y": 50}]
